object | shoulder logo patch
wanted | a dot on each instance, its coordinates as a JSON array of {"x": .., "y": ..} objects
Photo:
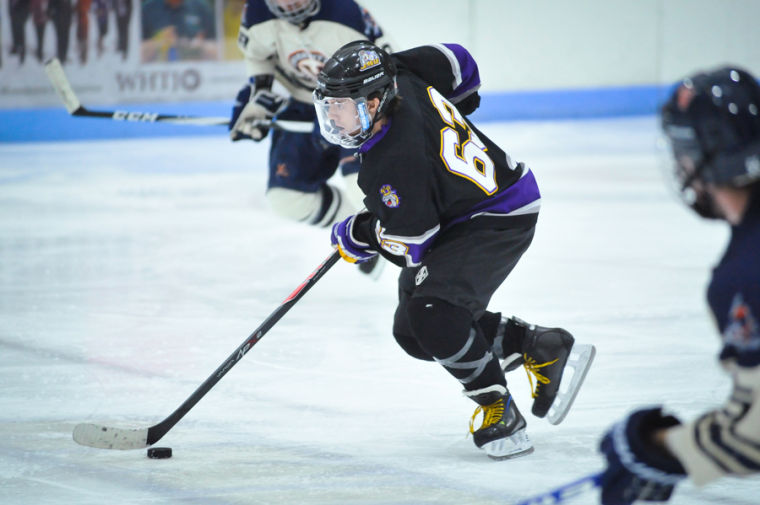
[
  {"x": 390, "y": 197},
  {"x": 742, "y": 330}
]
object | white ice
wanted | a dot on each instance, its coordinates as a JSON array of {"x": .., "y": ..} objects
[{"x": 129, "y": 270}]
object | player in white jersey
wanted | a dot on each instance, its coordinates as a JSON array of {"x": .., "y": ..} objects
[{"x": 289, "y": 41}]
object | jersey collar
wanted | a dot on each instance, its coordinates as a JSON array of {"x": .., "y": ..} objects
[{"x": 374, "y": 139}]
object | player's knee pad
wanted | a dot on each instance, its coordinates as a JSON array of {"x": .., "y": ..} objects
[
  {"x": 292, "y": 204},
  {"x": 411, "y": 346},
  {"x": 440, "y": 327},
  {"x": 447, "y": 333},
  {"x": 404, "y": 336},
  {"x": 321, "y": 208}
]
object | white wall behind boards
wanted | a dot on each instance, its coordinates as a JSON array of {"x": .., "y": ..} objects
[
  {"x": 581, "y": 57},
  {"x": 559, "y": 44}
]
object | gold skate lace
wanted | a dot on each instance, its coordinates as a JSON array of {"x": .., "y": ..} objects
[
  {"x": 531, "y": 367},
  {"x": 491, "y": 414}
]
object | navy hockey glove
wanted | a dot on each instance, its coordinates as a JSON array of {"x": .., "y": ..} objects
[
  {"x": 349, "y": 248},
  {"x": 254, "y": 106},
  {"x": 637, "y": 468}
]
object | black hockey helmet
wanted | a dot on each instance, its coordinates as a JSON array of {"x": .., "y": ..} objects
[
  {"x": 294, "y": 11},
  {"x": 712, "y": 121},
  {"x": 357, "y": 72}
]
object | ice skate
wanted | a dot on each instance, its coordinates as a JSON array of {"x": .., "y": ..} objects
[
  {"x": 558, "y": 365},
  {"x": 502, "y": 433}
]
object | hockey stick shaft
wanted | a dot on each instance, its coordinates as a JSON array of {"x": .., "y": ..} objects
[
  {"x": 566, "y": 491},
  {"x": 62, "y": 86},
  {"x": 116, "y": 438}
]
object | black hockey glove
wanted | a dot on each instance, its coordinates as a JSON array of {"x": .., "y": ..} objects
[
  {"x": 469, "y": 104},
  {"x": 637, "y": 469}
]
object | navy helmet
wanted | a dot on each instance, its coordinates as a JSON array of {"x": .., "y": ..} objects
[
  {"x": 712, "y": 121},
  {"x": 294, "y": 11}
]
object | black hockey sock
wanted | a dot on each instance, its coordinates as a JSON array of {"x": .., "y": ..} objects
[
  {"x": 489, "y": 323},
  {"x": 504, "y": 336},
  {"x": 448, "y": 334}
]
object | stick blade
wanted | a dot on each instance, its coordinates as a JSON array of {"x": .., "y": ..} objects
[
  {"x": 57, "y": 76},
  {"x": 104, "y": 437}
]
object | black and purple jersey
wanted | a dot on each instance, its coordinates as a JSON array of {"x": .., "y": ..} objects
[
  {"x": 449, "y": 68},
  {"x": 429, "y": 169}
]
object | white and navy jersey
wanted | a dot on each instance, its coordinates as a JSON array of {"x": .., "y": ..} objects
[
  {"x": 295, "y": 54},
  {"x": 727, "y": 440},
  {"x": 429, "y": 169}
]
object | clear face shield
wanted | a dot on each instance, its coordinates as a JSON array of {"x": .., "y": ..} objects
[{"x": 343, "y": 121}]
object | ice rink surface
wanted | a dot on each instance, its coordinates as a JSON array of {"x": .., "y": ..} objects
[{"x": 129, "y": 270}]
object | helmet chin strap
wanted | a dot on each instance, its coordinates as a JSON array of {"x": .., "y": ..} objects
[
  {"x": 379, "y": 113},
  {"x": 701, "y": 201}
]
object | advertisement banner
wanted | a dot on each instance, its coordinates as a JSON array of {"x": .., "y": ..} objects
[{"x": 120, "y": 51}]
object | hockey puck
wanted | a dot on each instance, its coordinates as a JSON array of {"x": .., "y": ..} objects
[{"x": 159, "y": 452}]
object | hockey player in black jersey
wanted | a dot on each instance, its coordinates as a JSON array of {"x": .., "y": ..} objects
[
  {"x": 712, "y": 121},
  {"x": 456, "y": 213}
]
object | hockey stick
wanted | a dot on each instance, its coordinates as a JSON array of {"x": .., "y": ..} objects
[
  {"x": 55, "y": 73},
  {"x": 565, "y": 491},
  {"x": 105, "y": 437}
]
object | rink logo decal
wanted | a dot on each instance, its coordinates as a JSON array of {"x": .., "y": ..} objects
[
  {"x": 742, "y": 331},
  {"x": 368, "y": 59},
  {"x": 159, "y": 80},
  {"x": 390, "y": 197}
]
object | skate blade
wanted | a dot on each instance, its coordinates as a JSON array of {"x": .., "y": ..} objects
[
  {"x": 578, "y": 364},
  {"x": 513, "y": 446}
]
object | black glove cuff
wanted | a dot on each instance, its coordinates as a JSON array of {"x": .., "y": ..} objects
[
  {"x": 640, "y": 434},
  {"x": 362, "y": 229},
  {"x": 262, "y": 81},
  {"x": 469, "y": 104}
]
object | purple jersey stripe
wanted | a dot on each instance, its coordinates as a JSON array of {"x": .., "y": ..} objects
[
  {"x": 522, "y": 193},
  {"x": 469, "y": 70}
]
